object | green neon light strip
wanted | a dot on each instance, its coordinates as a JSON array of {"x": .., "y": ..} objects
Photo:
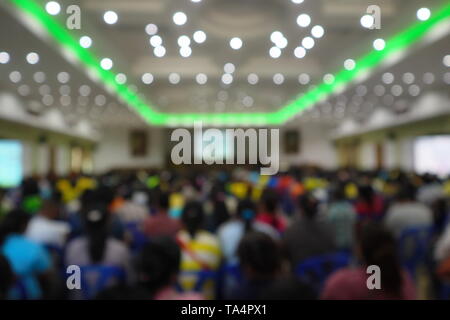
[{"x": 399, "y": 42}]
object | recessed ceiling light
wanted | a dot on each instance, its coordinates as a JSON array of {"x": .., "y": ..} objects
[
  {"x": 201, "y": 78},
  {"x": 379, "y": 90},
  {"x": 85, "y": 42},
  {"x": 179, "y": 18},
  {"x": 151, "y": 29},
  {"x": 349, "y": 64},
  {"x": 185, "y": 52},
  {"x": 275, "y": 52},
  {"x": 379, "y": 44},
  {"x": 64, "y": 90},
  {"x": 297, "y": 1},
  {"x": 414, "y": 90},
  {"x": 408, "y": 78},
  {"x": 147, "y": 78},
  {"x": 24, "y": 90},
  {"x": 100, "y": 100},
  {"x": 282, "y": 43},
  {"x": 174, "y": 78},
  {"x": 121, "y": 78},
  {"x": 252, "y": 78},
  {"x": 106, "y": 63},
  {"x": 159, "y": 51},
  {"x": 236, "y": 43},
  {"x": 303, "y": 20},
  {"x": 278, "y": 78},
  {"x": 317, "y": 31},
  {"x": 387, "y": 78},
  {"x": 110, "y": 17},
  {"x": 445, "y": 60},
  {"x": 396, "y": 90},
  {"x": 47, "y": 100},
  {"x": 328, "y": 78},
  {"x": 308, "y": 42},
  {"x": 303, "y": 78},
  {"x": 229, "y": 67},
  {"x": 199, "y": 36},
  {"x": 184, "y": 41},
  {"x": 63, "y": 77},
  {"x": 367, "y": 21},
  {"x": 32, "y": 58},
  {"x": 247, "y": 101},
  {"x": 299, "y": 52},
  {"x": 227, "y": 78},
  {"x": 85, "y": 90},
  {"x": 53, "y": 8},
  {"x": 428, "y": 78},
  {"x": 4, "y": 57},
  {"x": 276, "y": 36},
  {"x": 39, "y": 77},
  {"x": 423, "y": 14},
  {"x": 156, "y": 41}
]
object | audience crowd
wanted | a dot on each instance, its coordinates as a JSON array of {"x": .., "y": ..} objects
[{"x": 303, "y": 234}]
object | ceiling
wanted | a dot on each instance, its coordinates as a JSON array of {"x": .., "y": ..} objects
[{"x": 172, "y": 84}]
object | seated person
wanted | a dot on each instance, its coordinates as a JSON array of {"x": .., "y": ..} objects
[
  {"x": 375, "y": 247},
  {"x": 161, "y": 224},
  {"x": 308, "y": 236}
]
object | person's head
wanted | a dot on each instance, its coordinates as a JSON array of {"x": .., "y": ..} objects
[
  {"x": 96, "y": 223},
  {"x": 6, "y": 277},
  {"x": 246, "y": 211},
  {"x": 338, "y": 193},
  {"x": 15, "y": 222},
  {"x": 192, "y": 217},
  {"x": 50, "y": 209},
  {"x": 308, "y": 205},
  {"x": 158, "y": 264},
  {"x": 406, "y": 192},
  {"x": 289, "y": 288},
  {"x": 377, "y": 246},
  {"x": 366, "y": 193},
  {"x": 259, "y": 255},
  {"x": 269, "y": 201},
  {"x": 163, "y": 202}
]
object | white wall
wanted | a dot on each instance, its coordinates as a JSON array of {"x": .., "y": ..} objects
[
  {"x": 316, "y": 147},
  {"x": 113, "y": 150}
]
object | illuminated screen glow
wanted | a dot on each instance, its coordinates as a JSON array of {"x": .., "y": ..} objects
[
  {"x": 432, "y": 155},
  {"x": 11, "y": 171}
]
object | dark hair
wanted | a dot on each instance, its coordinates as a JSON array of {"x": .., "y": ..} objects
[
  {"x": 246, "y": 210},
  {"x": 270, "y": 200},
  {"x": 366, "y": 194},
  {"x": 260, "y": 254},
  {"x": 192, "y": 217},
  {"x": 157, "y": 263},
  {"x": 7, "y": 277},
  {"x": 378, "y": 247},
  {"x": 220, "y": 213},
  {"x": 308, "y": 205},
  {"x": 338, "y": 193},
  {"x": 406, "y": 192},
  {"x": 96, "y": 218},
  {"x": 288, "y": 288},
  {"x": 163, "y": 200},
  {"x": 15, "y": 221}
]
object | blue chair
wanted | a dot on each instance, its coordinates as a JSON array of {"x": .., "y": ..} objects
[
  {"x": 413, "y": 247},
  {"x": 317, "y": 269},
  {"x": 104, "y": 275},
  {"x": 202, "y": 277},
  {"x": 139, "y": 239},
  {"x": 230, "y": 275}
]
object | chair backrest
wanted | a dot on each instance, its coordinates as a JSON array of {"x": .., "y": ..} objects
[
  {"x": 103, "y": 276},
  {"x": 201, "y": 276},
  {"x": 315, "y": 270},
  {"x": 413, "y": 247},
  {"x": 139, "y": 238}
]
